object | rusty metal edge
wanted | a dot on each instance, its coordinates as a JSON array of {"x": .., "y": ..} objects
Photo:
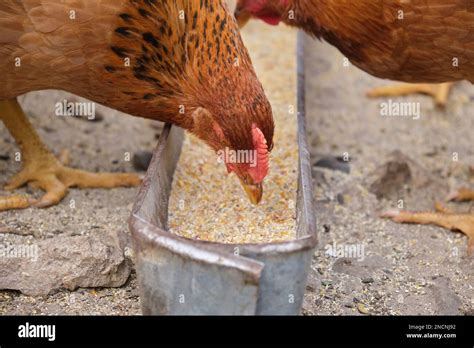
[
  {"x": 152, "y": 168},
  {"x": 150, "y": 234},
  {"x": 305, "y": 168}
]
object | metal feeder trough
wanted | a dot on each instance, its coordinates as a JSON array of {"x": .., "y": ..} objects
[{"x": 180, "y": 276}]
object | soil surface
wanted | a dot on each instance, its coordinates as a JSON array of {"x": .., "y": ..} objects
[{"x": 367, "y": 265}]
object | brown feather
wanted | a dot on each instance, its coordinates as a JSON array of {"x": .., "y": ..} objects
[
  {"x": 420, "y": 47},
  {"x": 183, "y": 54}
]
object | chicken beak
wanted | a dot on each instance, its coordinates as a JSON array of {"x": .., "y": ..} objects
[
  {"x": 254, "y": 192},
  {"x": 242, "y": 17}
]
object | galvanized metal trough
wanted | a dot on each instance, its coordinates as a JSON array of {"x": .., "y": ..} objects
[{"x": 180, "y": 276}]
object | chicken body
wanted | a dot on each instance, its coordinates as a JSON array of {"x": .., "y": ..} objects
[
  {"x": 429, "y": 41},
  {"x": 177, "y": 61}
]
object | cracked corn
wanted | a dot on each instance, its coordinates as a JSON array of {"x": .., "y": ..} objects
[{"x": 206, "y": 204}]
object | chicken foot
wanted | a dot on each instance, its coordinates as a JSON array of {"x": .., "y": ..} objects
[
  {"x": 42, "y": 170},
  {"x": 439, "y": 92},
  {"x": 442, "y": 217}
]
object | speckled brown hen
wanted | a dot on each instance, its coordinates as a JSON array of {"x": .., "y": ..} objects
[
  {"x": 428, "y": 41},
  {"x": 178, "y": 61}
]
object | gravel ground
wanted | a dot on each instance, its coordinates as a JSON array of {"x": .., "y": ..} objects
[{"x": 401, "y": 269}]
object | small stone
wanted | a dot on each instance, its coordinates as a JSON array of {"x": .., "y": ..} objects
[
  {"x": 362, "y": 309},
  {"x": 98, "y": 117},
  {"x": 334, "y": 163},
  {"x": 141, "y": 160},
  {"x": 368, "y": 280},
  {"x": 340, "y": 198}
]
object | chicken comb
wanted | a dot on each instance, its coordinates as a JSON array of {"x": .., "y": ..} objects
[{"x": 260, "y": 171}]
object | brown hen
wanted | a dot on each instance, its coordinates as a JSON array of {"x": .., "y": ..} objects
[
  {"x": 178, "y": 61},
  {"x": 413, "y": 41}
]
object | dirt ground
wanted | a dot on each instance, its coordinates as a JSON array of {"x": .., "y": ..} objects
[
  {"x": 406, "y": 269},
  {"x": 95, "y": 146},
  {"x": 403, "y": 269}
]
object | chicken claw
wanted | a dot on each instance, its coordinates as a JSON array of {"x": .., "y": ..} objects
[
  {"x": 443, "y": 217},
  {"x": 55, "y": 179},
  {"x": 41, "y": 169},
  {"x": 439, "y": 92},
  {"x": 15, "y": 202}
]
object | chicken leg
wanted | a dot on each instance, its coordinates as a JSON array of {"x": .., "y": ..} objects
[
  {"x": 442, "y": 217},
  {"x": 439, "y": 92},
  {"x": 42, "y": 170}
]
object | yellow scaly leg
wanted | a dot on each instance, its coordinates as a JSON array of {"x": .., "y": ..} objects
[
  {"x": 439, "y": 92},
  {"x": 43, "y": 170}
]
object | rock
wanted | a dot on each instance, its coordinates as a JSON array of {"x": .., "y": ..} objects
[
  {"x": 98, "y": 117},
  {"x": 67, "y": 262},
  {"x": 446, "y": 300},
  {"x": 334, "y": 163},
  {"x": 141, "y": 160},
  {"x": 362, "y": 309},
  {"x": 326, "y": 282},
  {"x": 398, "y": 171},
  {"x": 340, "y": 198},
  {"x": 368, "y": 280},
  {"x": 378, "y": 295}
]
